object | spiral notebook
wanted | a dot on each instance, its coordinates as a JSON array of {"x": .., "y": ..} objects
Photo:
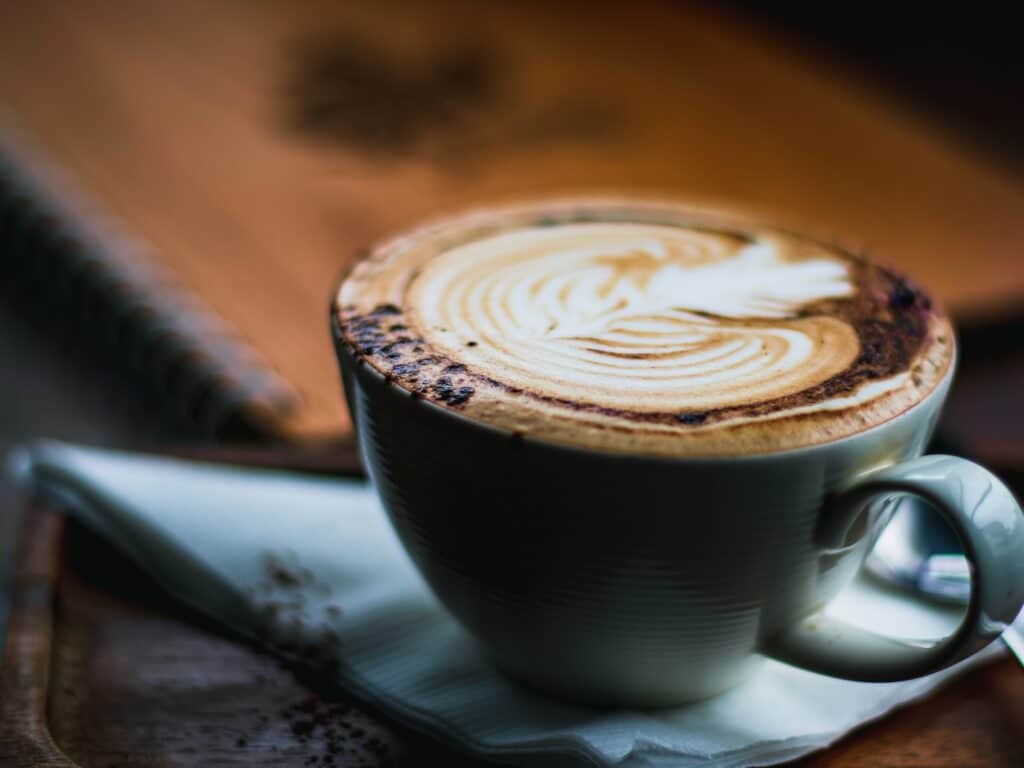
[{"x": 194, "y": 176}]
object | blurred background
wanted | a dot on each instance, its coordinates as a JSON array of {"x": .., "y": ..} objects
[
  {"x": 960, "y": 72},
  {"x": 182, "y": 183}
]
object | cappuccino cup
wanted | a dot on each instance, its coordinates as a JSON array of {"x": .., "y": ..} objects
[{"x": 635, "y": 447}]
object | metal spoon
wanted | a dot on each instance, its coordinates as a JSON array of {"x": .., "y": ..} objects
[{"x": 918, "y": 554}]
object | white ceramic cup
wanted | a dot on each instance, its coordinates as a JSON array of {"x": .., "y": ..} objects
[{"x": 629, "y": 580}]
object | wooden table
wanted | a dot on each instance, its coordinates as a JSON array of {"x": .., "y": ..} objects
[
  {"x": 102, "y": 670},
  {"x": 254, "y": 148}
]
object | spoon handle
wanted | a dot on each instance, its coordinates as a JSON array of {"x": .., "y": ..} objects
[{"x": 1015, "y": 642}]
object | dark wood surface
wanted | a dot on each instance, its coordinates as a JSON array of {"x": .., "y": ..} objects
[
  {"x": 98, "y": 667},
  {"x": 255, "y": 147},
  {"x": 101, "y": 669}
]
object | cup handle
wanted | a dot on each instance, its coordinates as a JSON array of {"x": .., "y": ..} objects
[{"x": 986, "y": 518}]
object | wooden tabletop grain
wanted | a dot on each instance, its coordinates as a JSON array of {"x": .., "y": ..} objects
[
  {"x": 216, "y": 147},
  {"x": 255, "y": 148}
]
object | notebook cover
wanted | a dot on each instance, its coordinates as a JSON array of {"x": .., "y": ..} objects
[{"x": 251, "y": 149}]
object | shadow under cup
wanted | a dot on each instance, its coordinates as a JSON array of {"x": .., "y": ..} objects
[{"x": 610, "y": 578}]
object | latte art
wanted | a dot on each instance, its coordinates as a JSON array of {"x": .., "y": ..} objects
[
  {"x": 652, "y": 318},
  {"x": 642, "y": 327}
]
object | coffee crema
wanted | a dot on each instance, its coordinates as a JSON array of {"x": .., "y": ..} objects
[{"x": 643, "y": 327}]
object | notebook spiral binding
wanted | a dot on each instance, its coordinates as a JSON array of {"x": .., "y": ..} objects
[{"x": 60, "y": 251}]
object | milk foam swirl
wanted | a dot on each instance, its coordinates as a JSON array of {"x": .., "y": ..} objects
[
  {"x": 637, "y": 317},
  {"x": 642, "y": 326}
]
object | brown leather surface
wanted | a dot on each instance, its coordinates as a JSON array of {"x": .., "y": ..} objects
[
  {"x": 101, "y": 669},
  {"x": 258, "y": 146}
]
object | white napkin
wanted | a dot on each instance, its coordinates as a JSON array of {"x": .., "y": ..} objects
[{"x": 311, "y": 566}]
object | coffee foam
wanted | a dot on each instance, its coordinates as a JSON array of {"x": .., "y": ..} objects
[{"x": 644, "y": 327}]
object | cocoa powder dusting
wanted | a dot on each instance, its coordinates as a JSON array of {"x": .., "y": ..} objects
[
  {"x": 401, "y": 360},
  {"x": 325, "y": 728}
]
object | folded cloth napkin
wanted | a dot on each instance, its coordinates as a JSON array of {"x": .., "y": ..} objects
[{"x": 310, "y": 567}]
